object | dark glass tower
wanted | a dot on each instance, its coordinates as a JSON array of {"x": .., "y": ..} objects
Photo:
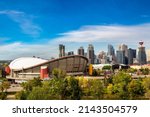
[
  {"x": 121, "y": 57},
  {"x": 111, "y": 50},
  {"x": 90, "y": 54},
  {"x": 131, "y": 55},
  {"x": 81, "y": 51},
  {"x": 61, "y": 50},
  {"x": 70, "y": 53},
  {"x": 111, "y": 54}
]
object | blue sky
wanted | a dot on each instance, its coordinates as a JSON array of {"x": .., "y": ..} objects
[{"x": 36, "y": 27}]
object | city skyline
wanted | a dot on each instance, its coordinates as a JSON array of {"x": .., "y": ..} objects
[{"x": 37, "y": 30}]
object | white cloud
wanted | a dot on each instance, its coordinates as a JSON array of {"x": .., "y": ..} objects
[
  {"x": 99, "y": 36},
  {"x": 17, "y": 49},
  {"x": 25, "y": 22},
  {"x": 108, "y": 33}
]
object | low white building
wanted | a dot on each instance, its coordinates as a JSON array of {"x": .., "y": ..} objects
[{"x": 100, "y": 66}]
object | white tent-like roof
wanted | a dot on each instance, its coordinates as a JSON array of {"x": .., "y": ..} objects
[
  {"x": 25, "y": 62},
  {"x": 100, "y": 66}
]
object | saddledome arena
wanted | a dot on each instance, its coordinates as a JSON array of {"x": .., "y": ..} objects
[{"x": 30, "y": 67}]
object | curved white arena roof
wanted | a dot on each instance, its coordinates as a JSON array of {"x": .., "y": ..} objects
[{"x": 25, "y": 62}]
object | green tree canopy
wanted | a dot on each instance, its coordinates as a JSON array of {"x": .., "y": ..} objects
[
  {"x": 120, "y": 83},
  {"x": 71, "y": 89},
  {"x": 58, "y": 73},
  {"x": 146, "y": 83},
  {"x": 107, "y": 67},
  {"x": 32, "y": 83},
  {"x": 135, "y": 89},
  {"x": 97, "y": 88},
  {"x": 4, "y": 86}
]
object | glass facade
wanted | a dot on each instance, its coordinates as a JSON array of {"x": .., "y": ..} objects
[
  {"x": 142, "y": 55},
  {"x": 121, "y": 57},
  {"x": 131, "y": 55}
]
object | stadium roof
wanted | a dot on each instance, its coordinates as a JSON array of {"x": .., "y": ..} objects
[{"x": 25, "y": 62}]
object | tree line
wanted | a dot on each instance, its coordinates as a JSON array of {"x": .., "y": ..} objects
[{"x": 119, "y": 86}]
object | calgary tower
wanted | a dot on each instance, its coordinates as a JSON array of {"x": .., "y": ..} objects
[{"x": 142, "y": 54}]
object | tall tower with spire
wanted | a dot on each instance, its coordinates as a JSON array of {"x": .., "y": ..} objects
[{"x": 141, "y": 53}]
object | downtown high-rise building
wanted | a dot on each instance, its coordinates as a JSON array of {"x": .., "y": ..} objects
[
  {"x": 121, "y": 59},
  {"x": 70, "y": 53},
  {"x": 61, "y": 50},
  {"x": 90, "y": 54},
  {"x": 124, "y": 48},
  {"x": 141, "y": 54},
  {"x": 111, "y": 54},
  {"x": 102, "y": 57},
  {"x": 81, "y": 51},
  {"x": 131, "y": 55},
  {"x": 111, "y": 50}
]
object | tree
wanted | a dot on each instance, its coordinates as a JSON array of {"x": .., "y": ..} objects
[
  {"x": 135, "y": 89},
  {"x": 110, "y": 93},
  {"x": 120, "y": 83},
  {"x": 32, "y": 83},
  {"x": 99, "y": 72},
  {"x": 147, "y": 94},
  {"x": 35, "y": 90},
  {"x": 146, "y": 83},
  {"x": 107, "y": 67},
  {"x": 39, "y": 93},
  {"x": 4, "y": 86},
  {"x": 71, "y": 89},
  {"x": 121, "y": 77},
  {"x": 56, "y": 88},
  {"x": 97, "y": 88},
  {"x": 85, "y": 85},
  {"x": 132, "y": 70},
  {"x": 94, "y": 73},
  {"x": 145, "y": 71},
  {"x": 3, "y": 95},
  {"x": 22, "y": 95},
  {"x": 28, "y": 87},
  {"x": 58, "y": 73}
]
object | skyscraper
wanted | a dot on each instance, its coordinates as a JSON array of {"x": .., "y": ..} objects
[
  {"x": 121, "y": 57},
  {"x": 70, "y": 53},
  {"x": 142, "y": 54},
  {"x": 131, "y": 55},
  {"x": 111, "y": 50},
  {"x": 110, "y": 54},
  {"x": 61, "y": 50},
  {"x": 124, "y": 48},
  {"x": 90, "y": 54},
  {"x": 81, "y": 51},
  {"x": 102, "y": 57}
]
